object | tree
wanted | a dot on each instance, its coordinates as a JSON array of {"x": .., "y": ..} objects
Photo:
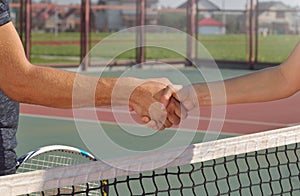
[{"x": 175, "y": 20}]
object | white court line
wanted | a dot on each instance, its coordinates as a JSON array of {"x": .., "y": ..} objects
[
  {"x": 214, "y": 119},
  {"x": 114, "y": 123},
  {"x": 236, "y": 121},
  {"x": 250, "y": 122}
]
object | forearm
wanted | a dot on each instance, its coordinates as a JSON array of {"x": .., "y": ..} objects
[
  {"x": 265, "y": 85},
  {"x": 63, "y": 89},
  {"x": 51, "y": 87},
  {"x": 27, "y": 83}
]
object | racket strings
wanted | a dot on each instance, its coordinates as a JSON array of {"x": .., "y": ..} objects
[
  {"x": 60, "y": 158},
  {"x": 50, "y": 160}
]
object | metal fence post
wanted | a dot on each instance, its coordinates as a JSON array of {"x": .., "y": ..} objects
[
  {"x": 252, "y": 35},
  {"x": 27, "y": 28},
  {"x": 190, "y": 32},
  {"x": 197, "y": 32},
  {"x": 21, "y": 21},
  {"x": 256, "y": 31},
  {"x": 84, "y": 34},
  {"x": 140, "y": 33}
]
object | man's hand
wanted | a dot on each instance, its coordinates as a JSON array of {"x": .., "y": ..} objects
[
  {"x": 150, "y": 100},
  {"x": 182, "y": 101}
]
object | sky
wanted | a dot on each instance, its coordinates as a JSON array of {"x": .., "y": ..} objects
[{"x": 229, "y": 4}]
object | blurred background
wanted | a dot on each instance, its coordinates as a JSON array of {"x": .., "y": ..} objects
[{"x": 242, "y": 33}]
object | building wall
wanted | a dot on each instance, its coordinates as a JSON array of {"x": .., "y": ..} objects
[
  {"x": 100, "y": 18},
  {"x": 114, "y": 20},
  {"x": 278, "y": 22},
  {"x": 211, "y": 30},
  {"x": 109, "y": 20}
]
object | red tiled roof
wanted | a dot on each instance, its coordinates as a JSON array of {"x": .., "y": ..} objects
[{"x": 210, "y": 22}]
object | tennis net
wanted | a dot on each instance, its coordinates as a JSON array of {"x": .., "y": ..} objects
[{"x": 266, "y": 163}]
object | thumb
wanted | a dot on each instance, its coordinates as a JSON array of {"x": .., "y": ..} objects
[
  {"x": 187, "y": 97},
  {"x": 167, "y": 94}
]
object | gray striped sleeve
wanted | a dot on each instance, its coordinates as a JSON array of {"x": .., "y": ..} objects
[{"x": 4, "y": 12}]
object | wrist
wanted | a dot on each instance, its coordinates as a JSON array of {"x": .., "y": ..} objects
[{"x": 124, "y": 89}]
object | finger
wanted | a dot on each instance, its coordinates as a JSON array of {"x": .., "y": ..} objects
[
  {"x": 167, "y": 94},
  {"x": 182, "y": 94},
  {"x": 145, "y": 119},
  {"x": 162, "y": 128},
  {"x": 130, "y": 108},
  {"x": 158, "y": 112},
  {"x": 179, "y": 109},
  {"x": 155, "y": 125},
  {"x": 152, "y": 125},
  {"x": 172, "y": 116},
  {"x": 161, "y": 121},
  {"x": 174, "y": 111},
  {"x": 168, "y": 123},
  {"x": 142, "y": 115},
  {"x": 187, "y": 97}
]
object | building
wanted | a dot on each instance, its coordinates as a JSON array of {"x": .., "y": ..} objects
[
  {"x": 278, "y": 18},
  {"x": 206, "y": 6},
  {"x": 210, "y": 26},
  {"x": 69, "y": 21},
  {"x": 72, "y": 20},
  {"x": 118, "y": 19}
]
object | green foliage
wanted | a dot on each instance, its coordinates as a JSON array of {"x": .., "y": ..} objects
[{"x": 175, "y": 20}]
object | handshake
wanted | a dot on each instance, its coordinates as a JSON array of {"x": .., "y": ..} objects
[{"x": 160, "y": 104}]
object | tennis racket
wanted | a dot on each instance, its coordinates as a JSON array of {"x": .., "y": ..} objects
[{"x": 56, "y": 156}]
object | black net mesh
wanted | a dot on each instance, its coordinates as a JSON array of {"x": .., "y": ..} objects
[{"x": 273, "y": 171}]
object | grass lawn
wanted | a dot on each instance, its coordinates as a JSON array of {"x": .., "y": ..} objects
[{"x": 225, "y": 47}]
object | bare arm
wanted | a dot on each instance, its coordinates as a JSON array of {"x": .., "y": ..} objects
[
  {"x": 265, "y": 85},
  {"x": 27, "y": 83}
]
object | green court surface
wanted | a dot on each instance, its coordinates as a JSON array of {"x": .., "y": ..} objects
[{"x": 35, "y": 132}]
